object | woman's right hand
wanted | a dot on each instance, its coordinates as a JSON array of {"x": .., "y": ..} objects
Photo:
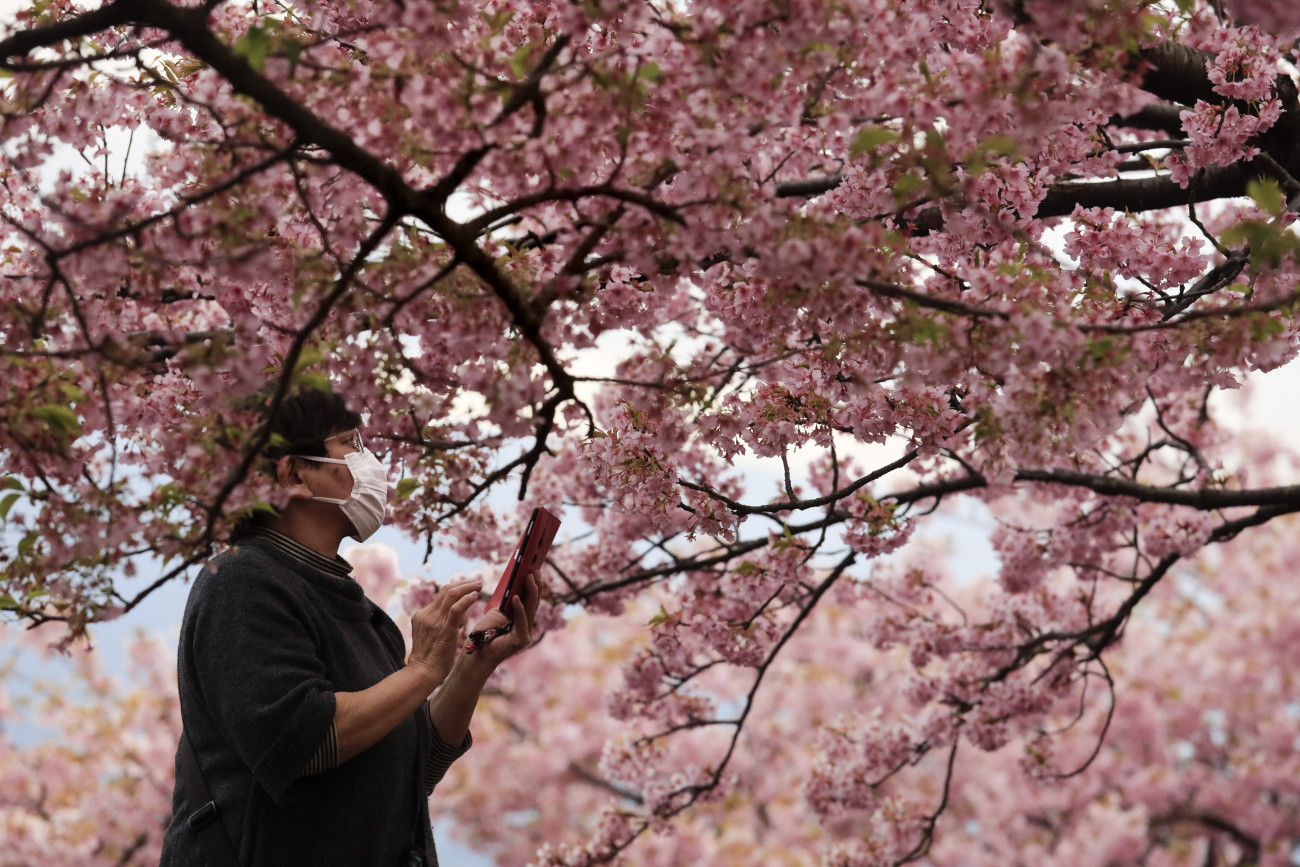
[{"x": 437, "y": 629}]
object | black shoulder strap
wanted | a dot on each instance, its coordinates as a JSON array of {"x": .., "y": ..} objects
[
  {"x": 423, "y": 834},
  {"x": 204, "y": 821}
]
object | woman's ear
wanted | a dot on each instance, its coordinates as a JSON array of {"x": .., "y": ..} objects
[{"x": 288, "y": 475}]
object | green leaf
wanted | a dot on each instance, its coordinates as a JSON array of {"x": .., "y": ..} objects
[
  {"x": 1265, "y": 327},
  {"x": 1269, "y": 242},
  {"x": 318, "y": 381},
  {"x": 1003, "y": 145},
  {"x": 59, "y": 419},
  {"x": 934, "y": 157},
  {"x": 1247, "y": 231},
  {"x": 919, "y": 327},
  {"x": 10, "y": 483},
  {"x": 292, "y": 52},
  {"x": 871, "y": 137},
  {"x": 659, "y": 618},
  {"x": 72, "y": 393},
  {"x": 406, "y": 487},
  {"x": 309, "y": 357},
  {"x": 650, "y": 72},
  {"x": 1267, "y": 194},
  {"x": 8, "y": 503},
  {"x": 1108, "y": 349},
  {"x": 7, "y": 601},
  {"x": 817, "y": 46},
  {"x": 497, "y": 21},
  {"x": 519, "y": 63},
  {"x": 254, "y": 45},
  {"x": 263, "y": 509},
  {"x": 904, "y": 186},
  {"x": 188, "y": 66}
]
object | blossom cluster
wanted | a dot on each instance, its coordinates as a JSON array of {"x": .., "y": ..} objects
[{"x": 748, "y": 292}]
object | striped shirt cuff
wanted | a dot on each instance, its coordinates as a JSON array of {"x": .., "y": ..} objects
[
  {"x": 441, "y": 754},
  {"x": 327, "y": 754}
]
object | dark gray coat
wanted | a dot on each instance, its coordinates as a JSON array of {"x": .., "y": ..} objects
[{"x": 265, "y": 643}]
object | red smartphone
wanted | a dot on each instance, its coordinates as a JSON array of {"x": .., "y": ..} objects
[{"x": 529, "y": 555}]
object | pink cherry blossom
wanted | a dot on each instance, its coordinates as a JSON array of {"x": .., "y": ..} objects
[{"x": 751, "y": 294}]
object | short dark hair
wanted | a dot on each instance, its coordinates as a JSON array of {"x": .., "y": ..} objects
[{"x": 305, "y": 419}]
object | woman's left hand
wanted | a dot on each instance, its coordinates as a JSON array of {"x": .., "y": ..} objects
[{"x": 523, "y": 618}]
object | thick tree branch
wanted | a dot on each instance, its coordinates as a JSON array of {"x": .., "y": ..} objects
[
  {"x": 1268, "y": 503},
  {"x": 1128, "y": 194},
  {"x": 85, "y": 24},
  {"x": 1215, "y": 823},
  {"x": 1204, "y": 499},
  {"x": 1175, "y": 73},
  {"x": 1160, "y": 117},
  {"x": 190, "y": 28}
]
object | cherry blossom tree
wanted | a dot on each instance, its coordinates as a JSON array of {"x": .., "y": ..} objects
[
  {"x": 1199, "y": 766},
  {"x": 751, "y": 292},
  {"x": 96, "y": 788}
]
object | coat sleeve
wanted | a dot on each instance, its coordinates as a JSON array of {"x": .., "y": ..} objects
[{"x": 260, "y": 675}]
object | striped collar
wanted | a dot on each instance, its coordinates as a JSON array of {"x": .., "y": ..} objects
[{"x": 300, "y": 552}]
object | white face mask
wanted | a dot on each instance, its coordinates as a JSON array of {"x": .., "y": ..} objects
[{"x": 366, "y": 505}]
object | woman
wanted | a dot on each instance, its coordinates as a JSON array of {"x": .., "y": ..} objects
[{"x": 312, "y": 729}]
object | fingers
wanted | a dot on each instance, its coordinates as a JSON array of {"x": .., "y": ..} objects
[
  {"x": 452, "y": 601},
  {"x": 532, "y": 595},
  {"x": 466, "y": 598},
  {"x": 523, "y": 610},
  {"x": 456, "y": 593},
  {"x": 447, "y": 610},
  {"x": 449, "y": 607},
  {"x": 492, "y": 619},
  {"x": 521, "y": 634}
]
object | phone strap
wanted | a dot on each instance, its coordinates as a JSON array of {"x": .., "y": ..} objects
[
  {"x": 481, "y": 637},
  {"x": 204, "y": 821}
]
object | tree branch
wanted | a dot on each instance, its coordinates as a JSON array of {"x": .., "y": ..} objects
[
  {"x": 76, "y": 27},
  {"x": 1175, "y": 73},
  {"x": 1128, "y": 194}
]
